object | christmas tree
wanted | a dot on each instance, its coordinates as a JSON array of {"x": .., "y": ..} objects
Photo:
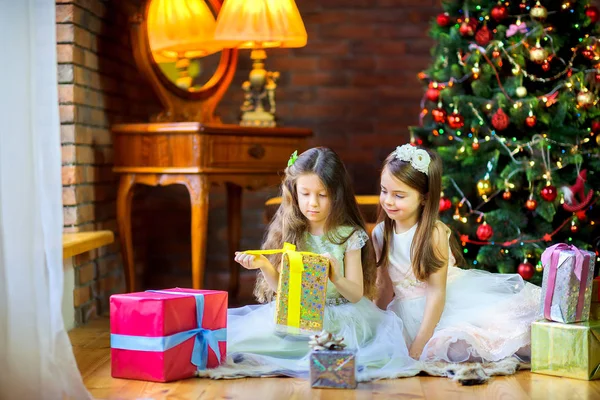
[{"x": 511, "y": 105}]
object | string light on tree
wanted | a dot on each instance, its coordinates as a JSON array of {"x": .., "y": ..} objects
[{"x": 484, "y": 187}]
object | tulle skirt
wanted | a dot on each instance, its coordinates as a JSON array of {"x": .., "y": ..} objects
[
  {"x": 255, "y": 349},
  {"x": 487, "y": 317}
]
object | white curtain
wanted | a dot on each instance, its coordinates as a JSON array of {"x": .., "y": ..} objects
[{"x": 36, "y": 359}]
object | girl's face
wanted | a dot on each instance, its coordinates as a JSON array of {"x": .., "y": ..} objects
[
  {"x": 313, "y": 199},
  {"x": 400, "y": 202}
]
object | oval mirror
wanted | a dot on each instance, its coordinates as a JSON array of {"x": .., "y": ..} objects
[{"x": 180, "y": 35}]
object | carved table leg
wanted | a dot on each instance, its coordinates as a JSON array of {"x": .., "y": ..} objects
[
  {"x": 234, "y": 233},
  {"x": 198, "y": 186},
  {"x": 124, "y": 198}
]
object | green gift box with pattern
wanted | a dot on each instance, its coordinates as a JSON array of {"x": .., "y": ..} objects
[{"x": 567, "y": 350}]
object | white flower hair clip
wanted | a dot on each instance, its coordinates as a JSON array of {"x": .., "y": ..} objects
[{"x": 418, "y": 158}]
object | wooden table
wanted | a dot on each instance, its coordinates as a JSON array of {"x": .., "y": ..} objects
[{"x": 197, "y": 155}]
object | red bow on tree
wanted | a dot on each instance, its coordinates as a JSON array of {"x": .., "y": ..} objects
[{"x": 571, "y": 194}]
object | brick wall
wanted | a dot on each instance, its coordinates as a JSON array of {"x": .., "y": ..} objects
[
  {"x": 354, "y": 84},
  {"x": 98, "y": 85}
]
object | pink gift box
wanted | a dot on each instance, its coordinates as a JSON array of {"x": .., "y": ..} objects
[{"x": 155, "y": 335}]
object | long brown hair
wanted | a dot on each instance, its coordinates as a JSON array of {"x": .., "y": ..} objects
[
  {"x": 289, "y": 224},
  {"x": 425, "y": 260}
]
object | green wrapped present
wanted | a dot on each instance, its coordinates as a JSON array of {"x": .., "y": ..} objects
[
  {"x": 302, "y": 290},
  {"x": 568, "y": 350}
]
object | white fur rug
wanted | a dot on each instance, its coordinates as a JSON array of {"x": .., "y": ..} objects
[{"x": 474, "y": 373}]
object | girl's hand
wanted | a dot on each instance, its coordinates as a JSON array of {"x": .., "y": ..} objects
[
  {"x": 415, "y": 351},
  {"x": 250, "y": 261},
  {"x": 334, "y": 268}
]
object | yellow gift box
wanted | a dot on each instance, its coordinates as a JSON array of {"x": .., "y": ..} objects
[
  {"x": 301, "y": 292},
  {"x": 568, "y": 350}
]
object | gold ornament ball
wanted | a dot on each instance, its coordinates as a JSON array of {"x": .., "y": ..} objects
[
  {"x": 484, "y": 187},
  {"x": 539, "y": 267},
  {"x": 585, "y": 98},
  {"x": 521, "y": 91},
  {"x": 539, "y": 12},
  {"x": 538, "y": 54},
  {"x": 598, "y": 140}
]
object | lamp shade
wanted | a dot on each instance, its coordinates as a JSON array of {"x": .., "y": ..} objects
[
  {"x": 249, "y": 24},
  {"x": 181, "y": 28}
]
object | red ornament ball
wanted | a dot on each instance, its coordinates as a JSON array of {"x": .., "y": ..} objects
[
  {"x": 588, "y": 53},
  {"x": 500, "y": 120},
  {"x": 596, "y": 126},
  {"x": 466, "y": 29},
  {"x": 475, "y": 146},
  {"x": 499, "y": 13},
  {"x": 456, "y": 121},
  {"x": 506, "y": 195},
  {"x": 574, "y": 228},
  {"x": 443, "y": 19},
  {"x": 484, "y": 232},
  {"x": 531, "y": 204},
  {"x": 439, "y": 115},
  {"x": 530, "y": 121},
  {"x": 433, "y": 94},
  {"x": 484, "y": 36},
  {"x": 495, "y": 54},
  {"x": 526, "y": 270},
  {"x": 546, "y": 66},
  {"x": 549, "y": 193},
  {"x": 592, "y": 13},
  {"x": 445, "y": 204},
  {"x": 581, "y": 215}
]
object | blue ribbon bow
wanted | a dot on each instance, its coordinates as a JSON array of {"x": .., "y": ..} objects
[{"x": 205, "y": 338}]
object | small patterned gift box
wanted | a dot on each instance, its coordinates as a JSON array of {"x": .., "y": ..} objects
[
  {"x": 302, "y": 290},
  {"x": 567, "y": 283},
  {"x": 331, "y": 365},
  {"x": 568, "y": 350}
]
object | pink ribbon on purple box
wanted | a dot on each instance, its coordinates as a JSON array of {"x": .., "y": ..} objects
[{"x": 551, "y": 256}]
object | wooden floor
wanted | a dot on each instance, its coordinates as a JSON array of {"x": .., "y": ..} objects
[{"x": 91, "y": 345}]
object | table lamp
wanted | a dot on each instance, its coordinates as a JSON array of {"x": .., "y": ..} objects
[{"x": 259, "y": 25}]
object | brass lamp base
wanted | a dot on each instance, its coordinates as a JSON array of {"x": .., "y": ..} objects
[{"x": 259, "y": 91}]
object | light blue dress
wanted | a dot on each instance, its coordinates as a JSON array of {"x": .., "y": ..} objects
[{"x": 255, "y": 348}]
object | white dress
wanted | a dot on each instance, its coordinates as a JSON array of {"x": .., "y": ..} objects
[
  {"x": 486, "y": 317},
  {"x": 254, "y": 348}
]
